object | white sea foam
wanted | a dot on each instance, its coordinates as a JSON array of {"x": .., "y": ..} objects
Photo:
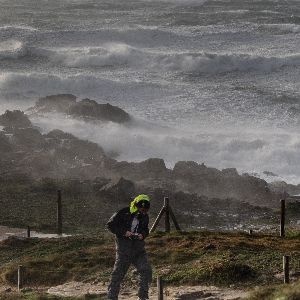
[
  {"x": 111, "y": 54},
  {"x": 120, "y": 54},
  {"x": 11, "y": 49},
  {"x": 247, "y": 150},
  {"x": 208, "y": 63},
  {"x": 281, "y": 28},
  {"x": 17, "y": 28},
  {"x": 184, "y": 2},
  {"x": 93, "y": 54}
]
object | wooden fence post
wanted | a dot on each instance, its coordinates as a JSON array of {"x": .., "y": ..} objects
[
  {"x": 59, "y": 213},
  {"x": 167, "y": 214},
  {"x": 28, "y": 231},
  {"x": 20, "y": 277},
  {"x": 174, "y": 219},
  {"x": 286, "y": 269},
  {"x": 162, "y": 211},
  {"x": 160, "y": 288},
  {"x": 282, "y": 218}
]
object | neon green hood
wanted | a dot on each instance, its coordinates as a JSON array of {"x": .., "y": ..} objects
[{"x": 137, "y": 199}]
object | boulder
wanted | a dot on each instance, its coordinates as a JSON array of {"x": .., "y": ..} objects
[
  {"x": 54, "y": 103},
  {"x": 195, "y": 178},
  {"x": 119, "y": 189},
  {"x": 150, "y": 168},
  {"x": 59, "y": 134},
  {"x": 85, "y": 109},
  {"x": 105, "y": 112},
  {"x": 230, "y": 172},
  {"x": 283, "y": 188},
  {"x": 192, "y": 169},
  {"x": 14, "y": 119}
]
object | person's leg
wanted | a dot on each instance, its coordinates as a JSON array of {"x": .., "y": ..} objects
[
  {"x": 121, "y": 266},
  {"x": 145, "y": 273}
]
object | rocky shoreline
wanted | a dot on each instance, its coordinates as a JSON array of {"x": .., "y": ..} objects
[{"x": 44, "y": 162}]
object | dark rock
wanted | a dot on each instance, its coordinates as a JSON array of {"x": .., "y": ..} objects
[
  {"x": 5, "y": 145},
  {"x": 283, "y": 188},
  {"x": 191, "y": 168},
  {"x": 28, "y": 137},
  {"x": 194, "y": 178},
  {"x": 91, "y": 109},
  {"x": 119, "y": 189},
  {"x": 150, "y": 168},
  {"x": 15, "y": 119},
  {"x": 54, "y": 103},
  {"x": 230, "y": 172},
  {"x": 86, "y": 108},
  {"x": 59, "y": 134}
]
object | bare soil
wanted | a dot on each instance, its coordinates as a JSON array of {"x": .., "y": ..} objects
[{"x": 171, "y": 293}]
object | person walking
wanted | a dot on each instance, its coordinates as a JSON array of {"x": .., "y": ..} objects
[{"x": 130, "y": 226}]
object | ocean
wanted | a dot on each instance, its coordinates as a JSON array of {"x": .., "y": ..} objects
[{"x": 211, "y": 81}]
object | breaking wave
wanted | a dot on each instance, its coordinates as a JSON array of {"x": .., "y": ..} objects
[
  {"x": 120, "y": 54},
  {"x": 281, "y": 28},
  {"x": 112, "y": 54},
  {"x": 18, "y": 28},
  {"x": 12, "y": 49},
  {"x": 207, "y": 63}
]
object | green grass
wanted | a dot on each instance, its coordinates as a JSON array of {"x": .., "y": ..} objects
[
  {"x": 220, "y": 259},
  {"x": 279, "y": 292}
]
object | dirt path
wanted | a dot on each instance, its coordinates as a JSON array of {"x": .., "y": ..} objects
[
  {"x": 171, "y": 293},
  {"x": 6, "y": 232}
]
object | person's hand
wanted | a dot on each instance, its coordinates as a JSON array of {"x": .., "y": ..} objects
[
  {"x": 140, "y": 236},
  {"x": 128, "y": 233}
]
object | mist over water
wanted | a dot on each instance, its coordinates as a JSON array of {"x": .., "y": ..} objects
[{"x": 210, "y": 81}]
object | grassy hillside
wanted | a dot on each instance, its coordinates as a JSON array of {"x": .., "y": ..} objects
[
  {"x": 220, "y": 259},
  {"x": 28, "y": 202}
]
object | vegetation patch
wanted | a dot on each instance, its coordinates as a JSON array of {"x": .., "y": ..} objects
[
  {"x": 220, "y": 259},
  {"x": 278, "y": 292}
]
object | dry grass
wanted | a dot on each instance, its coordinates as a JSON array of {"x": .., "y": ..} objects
[{"x": 189, "y": 258}]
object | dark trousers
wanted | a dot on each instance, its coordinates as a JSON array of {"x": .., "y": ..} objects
[{"x": 130, "y": 252}]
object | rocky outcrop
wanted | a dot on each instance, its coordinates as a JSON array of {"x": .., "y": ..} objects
[
  {"x": 54, "y": 103},
  {"x": 152, "y": 168},
  {"x": 62, "y": 155},
  {"x": 85, "y": 109},
  {"x": 194, "y": 178},
  {"x": 90, "y": 109},
  {"x": 283, "y": 188},
  {"x": 56, "y": 154},
  {"x": 57, "y": 134},
  {"x": 15, "y": 119},
  {"x": 29, "y": 138},
  {"x": 120, "y": 189}
]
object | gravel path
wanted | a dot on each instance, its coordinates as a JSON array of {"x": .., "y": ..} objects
[
  {"x": 6, "y": 232},
  {"x": 171, "y": 293}
]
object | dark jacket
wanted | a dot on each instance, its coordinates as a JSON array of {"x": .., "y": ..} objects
[{"x": 121, "y": 221}]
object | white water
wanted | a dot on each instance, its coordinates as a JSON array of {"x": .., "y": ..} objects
[{"x": 211, "y": 81}]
